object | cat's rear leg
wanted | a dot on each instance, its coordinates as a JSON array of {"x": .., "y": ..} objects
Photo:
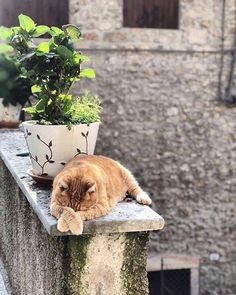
[
  {"x": 143, "y": 198},
  {"x": 133, "y": 188}
]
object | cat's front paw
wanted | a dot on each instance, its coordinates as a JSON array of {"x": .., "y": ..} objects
[
  {"x": 70, "y": 220},
  {"x": 143, "y": 198},
  {"x": 62, "y": 226},
  {"x": 76, "y": 225}
]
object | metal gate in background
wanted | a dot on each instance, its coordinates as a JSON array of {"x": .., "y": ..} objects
[{"x": 169, "y": 282}]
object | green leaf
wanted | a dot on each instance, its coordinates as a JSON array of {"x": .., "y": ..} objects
[
  {"x": 88, "y": 73},
  {"x": 55, "y": 31},
  {"x": 26, "y": 22},
  {"x": 78, "y": 58},
  {"x": 15, "y": 30},
  {"x": 36, "y": 89},
  {"x": 72, "y": 31},
  {"x": 40, "y": 30},
  {"x": 84, "y": 58},
  {"x": 30, "y": 110},
  {"x": 40, "y": 106},
  {"x": 5, "y": 33},
  {"x": 64, "y": 52},
  {"x": 4, "y": 48},
  {"x": 44, "y": 47}
]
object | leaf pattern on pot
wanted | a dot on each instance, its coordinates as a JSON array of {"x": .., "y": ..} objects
[
  {"x": 27, "y": 133},
  {"x": 48, "y": 157},
  {"x": 79, "y": 152}
]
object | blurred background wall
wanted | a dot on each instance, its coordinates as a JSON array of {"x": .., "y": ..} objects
[
  {"x": 163, "y": 120},
  {"x": 163, "y": 116}
]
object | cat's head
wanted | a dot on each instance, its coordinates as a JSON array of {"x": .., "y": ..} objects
[{"x": 75, "y": 191}]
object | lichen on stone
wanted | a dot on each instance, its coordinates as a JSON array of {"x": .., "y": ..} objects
[
  {"x": 133, "y": 273},
  {"x": 75, "y": 262}
]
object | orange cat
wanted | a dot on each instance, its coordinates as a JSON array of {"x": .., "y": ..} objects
[{"x": 88, "y": 187}]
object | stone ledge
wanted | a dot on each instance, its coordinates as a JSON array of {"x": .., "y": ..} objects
[{"x": 125, "y": 217}]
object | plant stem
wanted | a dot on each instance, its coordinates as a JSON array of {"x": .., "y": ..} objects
[{"x": 72, "y": 83}]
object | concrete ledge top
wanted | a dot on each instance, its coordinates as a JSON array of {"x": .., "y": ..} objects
[{"x": 125, "y": 217}]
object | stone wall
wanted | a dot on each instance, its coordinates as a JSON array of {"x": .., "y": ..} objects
[
  {"x": 161, "y": 119},
  {"x": 32, "y": 258},
  {"x": 40, "y": 264}
]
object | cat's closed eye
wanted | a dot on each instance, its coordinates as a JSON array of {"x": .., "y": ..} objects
[{"x": 62, "y": 189}]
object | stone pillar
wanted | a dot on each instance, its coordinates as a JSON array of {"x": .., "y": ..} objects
[
  {"x": 109, "y": 258},
  {"x": 107, "y": 264}
]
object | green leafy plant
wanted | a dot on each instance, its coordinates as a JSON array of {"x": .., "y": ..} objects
[
  {"x": 52, "y": 67},
  {"x": 86, "y": 109},
  {"x": 14, "y": 89}
]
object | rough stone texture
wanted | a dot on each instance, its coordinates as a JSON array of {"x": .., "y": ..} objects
[
  {"x": 135, "y": 247},
  {"x": 110, "y": 264},
  {"x": 4, "y": 280},
  {"x": 101, "y": 22},
  {"x": 40, "y": 264},
  {"x": 3, "y": 290},
  {"x": 32, "y": 258},
  {"x": 180, "y": 144},
  {"x": 161, "y": 118}
]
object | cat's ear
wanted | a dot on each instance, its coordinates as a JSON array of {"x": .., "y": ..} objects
[
  {"x": 91, "y": 187},
  {"x": 63, "y": 185}
]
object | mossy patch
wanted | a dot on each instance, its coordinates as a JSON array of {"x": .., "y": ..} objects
[
  {"x": 133, "y": 273},
  {"x": 75, "y": 258}
]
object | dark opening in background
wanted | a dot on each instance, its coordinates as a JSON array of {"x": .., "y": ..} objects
[
  {"x": 170, "y": 282},
  {"x": 46, "y": 12}
]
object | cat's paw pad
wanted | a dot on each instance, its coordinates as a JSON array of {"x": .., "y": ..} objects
[
  {"x": 76, "y": 226},
  {"x": 143, "y": 198},
  {"x": 62, "y": 225}
]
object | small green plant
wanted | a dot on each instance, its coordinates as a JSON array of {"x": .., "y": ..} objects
[
  {"x": 86, "y": 109},
  {"x": 14, "y": 89},
  {"x": 52, "y": 67}
]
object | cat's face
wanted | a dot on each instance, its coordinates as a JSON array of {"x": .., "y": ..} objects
[{"x": 79, "y": 193}]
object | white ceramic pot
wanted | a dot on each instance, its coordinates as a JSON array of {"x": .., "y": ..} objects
[
  {"x": 51, "y": 146},
  {"x": 9, "y": 113}
]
